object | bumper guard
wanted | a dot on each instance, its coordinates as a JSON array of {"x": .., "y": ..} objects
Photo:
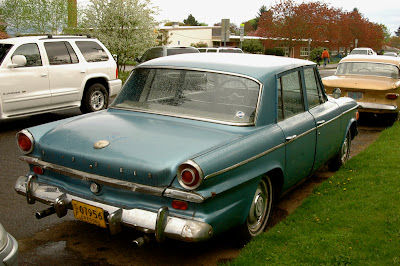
[{"x": 160, "y": 223}]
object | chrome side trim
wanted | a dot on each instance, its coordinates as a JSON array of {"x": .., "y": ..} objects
[
  {"x": 274, "y": 148},
  {"x": 131, "y": 186}
]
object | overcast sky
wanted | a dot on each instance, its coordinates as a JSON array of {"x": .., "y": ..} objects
[{"x": 385, "y": 12}]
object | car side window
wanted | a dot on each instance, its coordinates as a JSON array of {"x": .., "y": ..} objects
[
  {"x": 290, "y": 96},
  {"x": 92, "y": 51},
  {"x": 60, "y": 53},
  {"x": 313, "y": 88},
  {"x": 32, "y": 54}
]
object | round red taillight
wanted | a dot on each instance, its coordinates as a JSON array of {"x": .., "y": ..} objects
[
  {"x": 190, "y": 175},
  {"x": 25, "y": 141}
]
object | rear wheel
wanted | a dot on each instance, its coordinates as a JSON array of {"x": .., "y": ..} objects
[
  {"x": 343, "y": 155},
  {"x": 95, "y": 99},
  {"x": 260, "y": 210}
]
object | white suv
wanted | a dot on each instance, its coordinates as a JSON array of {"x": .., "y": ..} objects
[{"x": 41, "y": 74}]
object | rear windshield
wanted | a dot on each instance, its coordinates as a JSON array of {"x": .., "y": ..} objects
[
  {"x": 4, "y": 48},
  {"x": 368, "y": 69},
  {"x": 191, "y": 94},
  {"x": 172, "y": 51},
  {"x": 359, "y": 52}
]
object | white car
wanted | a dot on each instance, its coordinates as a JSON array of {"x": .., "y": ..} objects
[
  {"x": 362, "y": 51},
  {"x": 221, "y": 50},
  {"x": 41, "y": 74},
  {"x": 8, "y": 248}
]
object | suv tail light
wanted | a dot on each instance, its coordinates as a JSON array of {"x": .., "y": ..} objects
[
  {"x": 190, "y": 175},
  {"x": 392, "y": 96},
  {"x": 116, "y": 73},
  {"x": 25, "y": 141}
]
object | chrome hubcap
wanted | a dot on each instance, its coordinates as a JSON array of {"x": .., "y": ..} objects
[{"x": 97, "y": 100}]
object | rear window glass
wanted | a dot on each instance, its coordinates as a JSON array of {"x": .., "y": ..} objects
[
  {"x": 4, "y": 48},
  {"x": 92, "y": 51},
  {"x": 191, "y": 94},
  {"x": 368, "y": 69}
]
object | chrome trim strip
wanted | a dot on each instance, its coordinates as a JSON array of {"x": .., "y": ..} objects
[
  {"x": 261, "y": 87},
  {"x": 274, "y": 148},
  {"x": 131, "y": 186}
]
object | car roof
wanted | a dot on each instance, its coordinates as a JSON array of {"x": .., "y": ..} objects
[
  {"x": 27, "y": 39},
  {"x": 372, "y": 58},
  {"x": 256, "y": 66}
]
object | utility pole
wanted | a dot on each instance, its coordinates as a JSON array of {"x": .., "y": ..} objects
[{"x": 72, "y": 14}]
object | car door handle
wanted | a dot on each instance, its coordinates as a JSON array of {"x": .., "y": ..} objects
[
  {"x": 43, "y": 75},
  {"x": 290, "y": 137},
  {"x": 83, "y": 71},
  {"x": 320, "y": 122}
]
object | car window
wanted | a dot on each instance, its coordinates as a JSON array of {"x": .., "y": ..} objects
[
  {"x": 31, "y": 52},
  {"x": 368, "y": 69},
  {"x": 173, "y": 51},
  {"x": 60, "y": 53},
  {"x": 152, "y": 53},
  {"x": 92, "y": 51},
  {"x": 290, "y": 96},
  {"x": 313, "y": 88},
  {"x": 4, "y": 48},
  {"x": 212, "y": 50},
  {"x": 189, "y": 93}
]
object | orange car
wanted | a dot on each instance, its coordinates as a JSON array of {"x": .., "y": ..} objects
[{"x": 373, "y": 81}]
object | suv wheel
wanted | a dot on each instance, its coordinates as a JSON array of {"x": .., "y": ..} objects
[{"x": 95, "y": 99}]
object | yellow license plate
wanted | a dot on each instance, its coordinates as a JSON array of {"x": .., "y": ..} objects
[{"x": 88, "y": 213}]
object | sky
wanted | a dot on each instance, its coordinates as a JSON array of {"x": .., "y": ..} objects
[{"x": 385, "y": 12}]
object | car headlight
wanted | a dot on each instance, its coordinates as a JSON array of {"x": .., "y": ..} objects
[{"x": 3, "y": 238}]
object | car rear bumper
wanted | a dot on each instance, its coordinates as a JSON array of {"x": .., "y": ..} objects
[
  {"x": 377, "y": 107},
  {"x": 159, "y": 223},
  {"x": 114, "y": 86}
]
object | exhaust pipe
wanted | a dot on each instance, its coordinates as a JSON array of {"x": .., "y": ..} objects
[
  {"x": 140, "y": 241},
  {"x": 45, "y": 213}
]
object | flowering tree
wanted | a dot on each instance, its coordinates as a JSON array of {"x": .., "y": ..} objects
[
  {"x": 126, "y": 27},
  {"x": 35, "y": 16}
]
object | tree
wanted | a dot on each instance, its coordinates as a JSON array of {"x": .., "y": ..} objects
[
  {"x": 261, "y": 11},
  {"x": 397, "y": 32},
  {"x": 125, "y": 27},
  {"x": 35, "y": 16},
  {"x": 252, "y": 46},
  {"x": 15, "y": 14},
  {"x": 191, "y": 21}
]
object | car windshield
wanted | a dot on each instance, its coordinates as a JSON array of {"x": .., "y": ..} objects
[
  {"x": 4, "y": 48},
  {"x": 368, "y": 69},
  {"x": 191, "y": 94},
  {"x": 172, "y": 51}
]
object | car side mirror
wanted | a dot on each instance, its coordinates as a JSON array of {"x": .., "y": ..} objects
[
  {"x": 17, "y": 61},
  {"x": 337, "y": 93}
]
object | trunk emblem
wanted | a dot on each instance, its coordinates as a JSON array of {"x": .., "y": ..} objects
[{"x": 100, "y": 144}]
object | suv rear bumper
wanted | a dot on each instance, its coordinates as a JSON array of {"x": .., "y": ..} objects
[
  {"x": 114, "y": 86},
  {"x": 146, "y": 221},
  {"x": 377, "y": 107}
]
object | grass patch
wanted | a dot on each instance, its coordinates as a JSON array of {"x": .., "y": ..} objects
[{"x": 352, "y": 218}]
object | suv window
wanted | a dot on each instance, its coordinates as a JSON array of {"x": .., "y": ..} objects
[
  {"x": 92, "y": 51},
  {"x": 32, "y": 54},
  {"x": 172, "y": 51},
  {"x": 4, "y": 48},
  {"x": 152, "y": 53},
  {"x": 60, "y": 53}
]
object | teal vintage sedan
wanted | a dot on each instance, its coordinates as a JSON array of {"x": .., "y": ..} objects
[{"x": 193, "y": 145}]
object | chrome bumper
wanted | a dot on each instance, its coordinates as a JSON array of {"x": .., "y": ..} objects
[
  {"x": 384, "y": 108},
  {"x": 159, "y": 223}
]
